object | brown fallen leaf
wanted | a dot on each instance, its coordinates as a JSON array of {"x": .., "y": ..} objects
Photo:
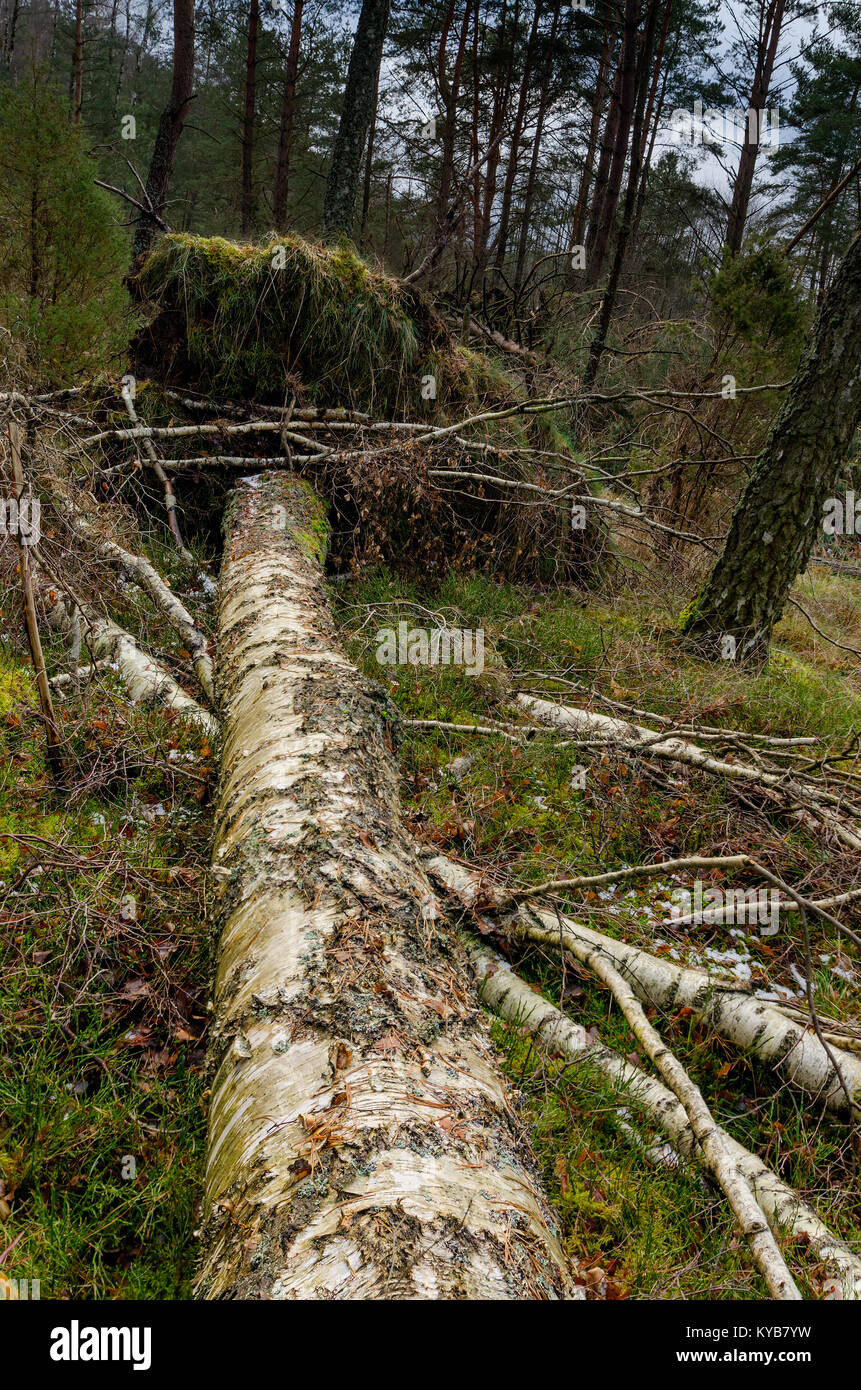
[{"x": 437, "y": 1005}]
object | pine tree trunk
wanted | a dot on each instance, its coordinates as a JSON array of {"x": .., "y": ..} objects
[
  {"x": 369, "y": 170},
  {"x": 362, "y": 76},
  {"x": 247, "y": 206},
  {"x": 450, "y": 91},
  {"x": 532, "y": 177},
  {"x": 361, "y": 1144},
  {"x": 606, "y": 211},
  {"x": 608, "y": 302},
  {"x": 288, "y": 116},
  {"x": 766, "y": 54},
  {"x": 516, "y": 134},
  {"x": 78, "y": 60},
  {"x": 171, "y": 123},
  {"x": 578, "y": 223},
  {"x": 779, "y": 518}
]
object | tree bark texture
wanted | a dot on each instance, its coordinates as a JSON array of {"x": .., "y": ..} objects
[
  {"x": 751, "y": 1024},
  {"x": 606, "y": 212},
  {"x": 288, "y": 116},
  {"x": 780, "y": 514},
  {"x": 361, "y": 1143},
  {"x": 340, "y": 202},
  {"x": 171, "y": 123},
  {"x": 766, "y": 54},
  {"x": 789, "y": 1217},
  {"x": 247, "y": 208}
]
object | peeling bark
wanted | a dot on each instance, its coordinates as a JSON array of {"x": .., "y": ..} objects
[
  {"x": 361, "y": 1143},
  {"x": 789, "y": 1217},
  {"x": 751, "y": 1024}
]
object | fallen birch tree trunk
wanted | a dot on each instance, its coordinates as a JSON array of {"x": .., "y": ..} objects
[
  {"x": 147, "y": 682},
  {"x": 139, "y": 569},
  {"x": 669, "y": 748},
  {"x": 749, "y": 1023},
  {"x": 361, "y": 1144},
  {"x": 789, "y": 1217}
]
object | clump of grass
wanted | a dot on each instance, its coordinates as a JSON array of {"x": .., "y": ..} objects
[
  {"x": 292, "y": 320},
  {"x": 242, "y": 321}
]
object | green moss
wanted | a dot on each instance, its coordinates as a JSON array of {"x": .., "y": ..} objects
[{"x": 245, "y": 321}]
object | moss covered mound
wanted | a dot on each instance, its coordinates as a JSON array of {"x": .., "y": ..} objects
[
  {"x": 292, "y": 320},
  {"x": 291, "y": 317}
]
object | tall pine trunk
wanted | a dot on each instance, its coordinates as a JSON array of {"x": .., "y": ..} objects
[
  {"x": 450, "y": 92},
  {"x": 247, "y": 206},
  {"x": 78, "y": 61},
  {"x": 361, "y": 1144},
  {"x": 609, "y": 300},
  {"x": 779, "y": 518},
  {"x": 516, "y": 134},
  {"x": 171, "y": 123},
  {"x": 605, "y": 212},
  {"x": 578, "y": 223},
  {"x": 532, "y": 176},
  {"x": 766, "y": 54},
  {"x": 288, "y": 116},
  {"x": 362, "y": 76}
]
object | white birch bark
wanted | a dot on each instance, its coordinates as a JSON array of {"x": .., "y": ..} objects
[
  {"x": 679, "y": 750},
  {"x": 749, "y": 1023},
  {"x": 147, "y": 682},
  {"x": 147, "y": 576},
  {"x": 789, "y": 1217},
  {"x": 361, "y": 1143}
]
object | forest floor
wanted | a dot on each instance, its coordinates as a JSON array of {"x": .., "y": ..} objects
[{"x": 104, "y": 974}]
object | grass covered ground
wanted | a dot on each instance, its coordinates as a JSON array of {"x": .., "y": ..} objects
[
  {"x": 104, "y": 955},
  {"x": 636, "y": 1230},
  {"x": 103, "y": 977}
]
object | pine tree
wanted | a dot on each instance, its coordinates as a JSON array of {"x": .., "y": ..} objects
[{"x": 61, "y": 255}]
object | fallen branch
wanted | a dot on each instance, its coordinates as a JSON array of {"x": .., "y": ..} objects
[
  {"x": 53, "y": 742},
  {"x": 147, "y": 576},
  {"x": 147, "y": 681},
  {"x": 695, "y": 861},
  {"x": 148, "y": 212},
  {"x": 155, "y": 464},
  {"x": 80, "y": 673},
  {"x": 513, "y": 1000},
  {"x": 751, "y": 1024},
  {"x": 637, "y": 739},
  {"x": 717, "y": 1156}
]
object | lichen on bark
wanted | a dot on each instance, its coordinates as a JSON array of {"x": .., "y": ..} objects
[
  {"x": 361, "y": 1140},
  {"x": 779, "y": 517}
]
